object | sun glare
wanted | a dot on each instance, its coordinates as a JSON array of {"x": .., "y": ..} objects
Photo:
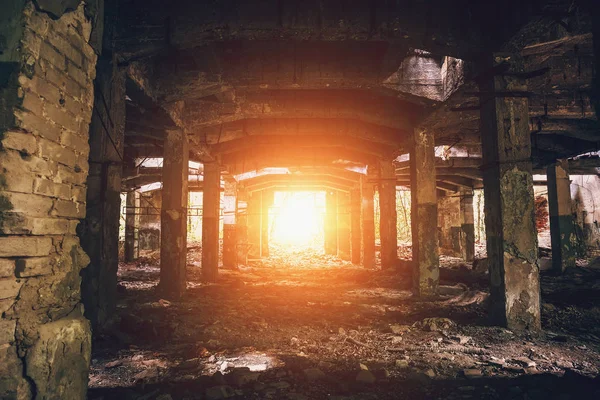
[{"x": 298, "y": 217}]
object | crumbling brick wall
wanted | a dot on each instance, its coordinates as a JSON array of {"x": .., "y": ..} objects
[{"x": 47, "y": 69}]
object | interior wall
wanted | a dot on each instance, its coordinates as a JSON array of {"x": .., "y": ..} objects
[{"x": 46, "y": 97}]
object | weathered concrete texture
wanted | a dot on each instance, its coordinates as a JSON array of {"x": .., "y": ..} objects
[
  {"x": 562, "y": 229},
  {"x": 149, "y": 232},
  {"x": 229, "y": 224},
  {"x": 355, "y": 225},
  {"x": 467, "y": 225},
  {"x": 268, "y": 198},
  {"x": 99, "y": 232},
  {"x": 211, "y": 211},
  {"x": 241, "y": 227},
  {"x": 254, "y": 216},
  {"x": 344, "y": 226},
  {"x": 132, "y": 225},
  {"x": 367, "y": 189},
  {"x": 424, "y": 215},
  {"x": 173, "y": 242},
  {"x": 330, "y": 226},
  {"x": 388, "y": 215},
  {"x": 449, "y": 225},
  {"x": 509, "y": 204},
  {"x": 46, "y": 92}
]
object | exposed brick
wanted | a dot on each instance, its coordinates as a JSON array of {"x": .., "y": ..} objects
[
  {"x": 79, "y": 193},
  {"x": 50, "y": 54},
  {"x": 37, "y": 23},
  {"x": 24, "y": 246},
  {"x": 9, "y": 287},
  {"x": 19, "y": 141},
  {"x": 30, "y": 204},
  {"x": 64, "y": 82},
  {"x": 47, "y": 187},
  {"x": 33, "y": 103},
  {"x": 65, "y": 48},
  {"x": 75, "y": 106},
  {"x": 66, "y": 174},
  {"x": 47, "y": 226},
  {"x": 34, "y": 266},
  {"x": 7, "y": 267},
  {"x": 31, "y": 42},
  {"x": 7, "y": 331},
  {"x": 37, "y": 125},
  {"x": 17, "y": 180},
  {"x": 69, "y": 209},
  {"x": 75, "y": 142},
  {"x": 73, "y": 226},
  {"x": 5, "y": 305},
  {"x": 76, "y": 73},
  {"x": 15, "y": 161},
  {"x": 56, "y": 152},
  {"x": 61, "y": 117},
  {"x": 39, "y": 85}
]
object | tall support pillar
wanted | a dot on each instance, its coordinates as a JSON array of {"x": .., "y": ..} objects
[
  {"x": 562, "y": 233},
  {"x": 254, "y": 218},
  {"x": 173, "y": 224},
  {"x": 344, "y": 226},
  {"x": 132, "y": 220},
  {"x": 331, "y": 222},
  {"x": 512, "y": 244},
  {"x": 355, "y": 231},
  {"x": 368, "y": 218},
  {"x": 467, "y": 225},
  {"x": 425, "y": 252},
  {"x": 388, "y": 229},
  {"x": 268, "y": 197},
  {"x": 211, "y": 211},
  {"x": 241, "y": 227},
  {"x": 229, "y": 224}
]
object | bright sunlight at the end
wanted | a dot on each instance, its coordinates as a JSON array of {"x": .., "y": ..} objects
[{"x": 298, "y": 217}]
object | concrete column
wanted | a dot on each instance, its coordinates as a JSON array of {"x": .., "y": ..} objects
[
  {"x": 388, "y": 229},
  {"x": 331, "y": 223},
  {"x": 229, "y": 224},
  {"x": 211, "y": 211},
  {"x": 425, "y": 252},
  {"x": 241, "y": 227},
  {"x": 254, "y": 218},
  {"x": 368, "y": 218},
  {"x": 344, "y": 226},
  {"x": 355, "y": 225},
  {"x": 173, "y": 224},
  {"x": 132, "y": 220},
  {"x": 268, "y": 197},
  {"x": 449, "y": 224},
  {"x": 467, "y": 225},
  {"x": 562, "y": 232},
  {"x": 512, "y": 244}
]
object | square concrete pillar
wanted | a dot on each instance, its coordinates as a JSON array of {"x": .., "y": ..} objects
[
  {"x": 173, "y": 231},
  {"x": 367, "y": 191},
  {"x": 467, "y": 225},
  {"x": 268, "y": 197},
  {"x": 331, "y": 223},
  {"x": 241, "y": 226},
  {"x": 132, "y": 220},
  {"x": 512, "y": 244},
  {"x": 344, "y": 225},
  {"x": 355, "y": 225},
  {"x": 449, "y": 224},
  {"x": 229, "y": 224},
  {"x": 425, "y": 252},
  {"x": 254, "y": 223},
  {"x": 211, "y": 212},
  {"x": 562, "y": 232},
  {"x": 388, "y": 229}
]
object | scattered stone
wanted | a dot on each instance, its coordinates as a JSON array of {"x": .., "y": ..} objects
[
  {"x": 462, "y": 339},
  {"x": 363, "y": 367},
  {"x": 496, "y": 361},
  {"x": 563, "y": 364},
  {"x": 513, "y": 368},
  {"x": 399, "y": 329},
  {"x": 313, "y": 374},
  {"x": 430, "y": 373},
  {"x": 113, "y": 364},
  {"x": 342, "y": 331},
  {"x": 219, "y": 392},
  {"x": 396, "y": 339},
  {"x": 436, "y": 324},
  {"x": 242, "y": 376},
  {"x": 365, "y": 376},
  {"x": 472, "y": 373},
  {"x": 451, "y": 290},
  {"x": 524, "y": 361},
  {"x": 402, "y": 363},
  {"x": 146, "y": 374}
]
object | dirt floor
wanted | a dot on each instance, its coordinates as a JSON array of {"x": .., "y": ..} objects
[{"x": 302, "y": 325}]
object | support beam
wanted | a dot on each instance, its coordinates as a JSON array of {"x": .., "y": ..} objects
[
  {"x": 355, "y": 225},
  {"x": 562, "y": 232},
  {"x": 388, "y": 229},
  {"x": 512, "y": 245},
  {"x": 229, "y": 224},
  {"x": 268, "y": 197},
  {"x": 132, "y": 225},
  {"x": 173, "y": 231},
  {"x": 368, "y": 217},
  {"x": 467, "y": 225},
  {"x": 344, "y": 226},
  {"x": 211, "y": 211},
  {"x": 331, "y": 229},
  {"x": 254, "y": 217},
  {"x": 424, "y": 215},
  {"x": 241, "y": 227}
]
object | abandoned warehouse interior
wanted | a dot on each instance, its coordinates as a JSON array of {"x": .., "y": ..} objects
[{"x": 291, "y": 199}]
